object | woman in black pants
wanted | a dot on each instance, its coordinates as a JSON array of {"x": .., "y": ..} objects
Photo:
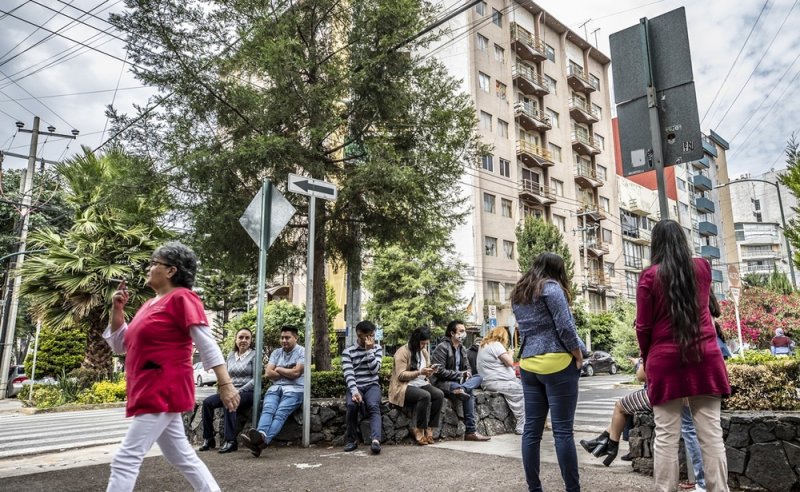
[
  {"x": 241, "y": 365},
  {"x": 410, "y": 386}
]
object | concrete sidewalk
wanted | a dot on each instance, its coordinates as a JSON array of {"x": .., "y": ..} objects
[
  {"x": 10, "y": 405},
  {"x": 452, "y": 465}
]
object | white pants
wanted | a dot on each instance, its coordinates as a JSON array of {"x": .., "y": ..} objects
[
  {"x": 166, "y": 429},
  {"x": 512, "y": 392},
  {"x": 705, "y": 412}
]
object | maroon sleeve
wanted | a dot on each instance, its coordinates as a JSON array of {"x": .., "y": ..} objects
[
  {"x": 187, "y": 309},
  {"x": 645, "y": 312}
]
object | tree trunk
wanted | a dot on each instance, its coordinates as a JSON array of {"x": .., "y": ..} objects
[
  {"x": 98, "y": 353},
  {"x": 322, "y": 350}
]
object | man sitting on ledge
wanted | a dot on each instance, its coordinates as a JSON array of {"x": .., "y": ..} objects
[{"x": 361, "y": 364}]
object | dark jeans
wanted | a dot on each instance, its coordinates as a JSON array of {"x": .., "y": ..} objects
[
  {"x": 372, "y": 405},
  {"x": 558, "y": 394},
  {"x": 214, "y": 402},
  {"x": 470, "y": 384},
  {"x": 428, "y": 401}
]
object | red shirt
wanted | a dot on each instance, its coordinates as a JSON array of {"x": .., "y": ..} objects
[
  {"x": 668, "y": 377},
  {"x": 781, "y": 341},
  {"x": 158, "y": 364}
]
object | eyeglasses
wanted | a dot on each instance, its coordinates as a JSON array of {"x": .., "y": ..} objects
[{"x": 156, "y": 262}]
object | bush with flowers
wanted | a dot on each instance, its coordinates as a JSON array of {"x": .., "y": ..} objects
[{"x": 761, "y": 311}]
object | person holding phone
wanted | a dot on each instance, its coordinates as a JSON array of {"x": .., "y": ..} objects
[
  {"x": 410, "y": 387},
  {"x": 158, "y": 368},
  {"x": 361, "y": 364}
]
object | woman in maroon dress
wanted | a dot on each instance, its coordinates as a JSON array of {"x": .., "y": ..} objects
[
  {"x": 680, "y": 353},
  {"x": 158, "y": 368}
]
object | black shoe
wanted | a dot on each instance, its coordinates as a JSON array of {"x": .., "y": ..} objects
[
  {"x": 613, "y": 448},
  {"x": 350, "y": 446},
  {"x": 208, "y": 444},
  {"x": 462, "y": 395},
  {"x": 626, "y": 457},
  {"x": 254, "y": 441},
  {"x": 229, "y": 447},
  {"x": 591, "y": 445},
  {"x": 375, "y": 447}
]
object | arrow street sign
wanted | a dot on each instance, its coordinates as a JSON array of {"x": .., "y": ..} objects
[{"x": 312, "y": 187}]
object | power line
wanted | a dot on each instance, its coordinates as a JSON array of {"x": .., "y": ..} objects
[
  {"x": 52, "y": 111},
  {"x": 83, "y": 93}
]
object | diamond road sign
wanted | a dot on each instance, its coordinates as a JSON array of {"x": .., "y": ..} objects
[
  {"x": 280, "y": 214},
  {"x": 312, "y": 187}
]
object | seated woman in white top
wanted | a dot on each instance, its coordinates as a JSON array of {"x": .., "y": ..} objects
[{"x": 496, "y": 366}]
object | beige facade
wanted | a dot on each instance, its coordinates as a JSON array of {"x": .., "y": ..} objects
[{"x": 542, "y": 99}]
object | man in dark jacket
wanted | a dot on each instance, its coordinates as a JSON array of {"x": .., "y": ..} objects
[{"x": 454, "y": 376}]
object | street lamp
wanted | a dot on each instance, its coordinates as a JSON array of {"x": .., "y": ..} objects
[{"x": 783, "y": 219}]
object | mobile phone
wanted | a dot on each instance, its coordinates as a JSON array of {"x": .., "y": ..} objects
[
  {"x": 121, "y": 281},
  {"x": 436, "y": 366}
]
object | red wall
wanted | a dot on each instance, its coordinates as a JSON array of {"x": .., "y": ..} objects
[{"x": 648, "y": 179}]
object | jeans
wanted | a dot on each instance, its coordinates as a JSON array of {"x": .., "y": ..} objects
[
  {"x": 692, "y": 446},
  {"x": 427, "y": 401},
  {"x": 558, "y": 394},
  {"x": 214, "y": 402},
  {"x": 372, "y": 402},
  {"x": 470, "y": 426},
  {"x": 278, "y": 405}
]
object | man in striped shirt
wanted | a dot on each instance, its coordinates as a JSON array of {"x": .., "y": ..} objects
[{"x": 361, "y": 364}]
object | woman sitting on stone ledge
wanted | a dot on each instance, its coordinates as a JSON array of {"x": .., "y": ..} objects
[{"x": 495, "y": 364}]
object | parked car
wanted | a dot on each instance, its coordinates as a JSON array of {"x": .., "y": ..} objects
[
  {"x": 203, "y": 377},
  {"x": 599, "y": 361},
  {"x": 16, "y": 377}
]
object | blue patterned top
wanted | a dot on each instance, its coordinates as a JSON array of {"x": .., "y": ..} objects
[{"x": 546, "y": 326}]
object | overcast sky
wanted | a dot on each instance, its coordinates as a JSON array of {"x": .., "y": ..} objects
[{"x": 74, "y": 84}]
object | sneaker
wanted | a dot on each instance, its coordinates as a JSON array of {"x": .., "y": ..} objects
[
  {"x": 687, "y": 486},
  {"x": 474, "y": 436},
  {"x": 461, "y": 394},
  {"x": 375, "y": 447},
  {"x": 350, "y": 446}
]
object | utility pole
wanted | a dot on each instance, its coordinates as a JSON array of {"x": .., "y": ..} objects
[
  {"x": 11, "y": 303},
  {"x": 585, "y": 264}
]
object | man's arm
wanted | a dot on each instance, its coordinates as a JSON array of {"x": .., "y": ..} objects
[
  {"x": 271, "y": 372},
  {"x": 291, "y": 373},
  {"x": 440, "y": 357},
  {"x": 349, "y": 372}
]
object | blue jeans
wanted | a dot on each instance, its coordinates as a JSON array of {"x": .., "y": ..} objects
[
  {"x": 372, "y": 402},
  {"x": 692, "y": 446},
  {"x": 470, "y": 384},
  {"x": 558, "y": 394},
  {"x": 278, "y": 405}
]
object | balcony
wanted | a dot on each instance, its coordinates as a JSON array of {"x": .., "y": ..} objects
[
  {"x": 633, "y": 263},
  {"x": 716, "y": 275},
  {"x": 759, "y": 253},
  {"x": 527, "y": 46},
  {"x": 583, "y": 144},
  {"x": 537, "y": 193},
  {"x": 599, "y": 281},
  {"x": 586, "y": 177},
  {"x": 531, "y": 119},
  {"x": 533, "y": 155},
  {"x": 636, "y": 235},
  {"x": 635, "y": 208},
  {"x": 707, "y": 252},
  {"x": 596, "y": 247},
  {"x": 759, "y": 269},
  {"x": 706, "y": 228},
  {"x": 580, "y": 111},
  {"x": 704, "y": 205},
  {"x": 701, "y": 182},
  {"x": 591, "y": 211},
  {"x": 528, "y": 81},
  {"x": 578, "y": 80},
  {"x": 709, "y": 148},
  {"x": 702, "y": 163}
]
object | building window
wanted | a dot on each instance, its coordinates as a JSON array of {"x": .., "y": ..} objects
[
  {"x": 595, "y": 81},
  {"x": 487, "y": 163},
  {"x": 597, "y": 110},
  {"x": 552, "y": 83},
  {"x": 484, "y": 81},
  {"x": 490, "y": 245},
  {"x": 486, "y": 121},
  {"x": 601, "y": 173},
  {"x": 493, "y": 291},
  {"x": 551, "y": 52},
  {"x": 608, "y": 237},
  {"x": 631, "y": 283},
  {"x": 553, "y": 117},
  {"x": 757, "y": 210},
  {"x": 605, "y": 204},
  {"x": 555, "y": 150},
  {"x": 500, "y": 90},
  {"x": 483, "y": 42},
  {"x": 560, "y": 222},
  {"x": 505, "y": 168},
  {"x": 506, "y": 207},
  {"x": 608, "y": 267},
  {"x": 558, "y": 186},
  {"x": 683, "y": 209},
  {"x": 681, "y": 184},
  {"x": 497, "y": 17},
  {"x": 480, "y": 9},
  {"x": 488, "y": 203},
  {"x": 601, "y": 142},
  {"x": 502, "y": 128},
  {"x": 508, "y": 250},
  {"x": 499, "y": 53}
]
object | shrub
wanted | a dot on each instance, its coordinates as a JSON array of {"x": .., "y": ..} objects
[
  {"x": 59, "y": 350},
  {"x": 103, "y": 392},
  {"x": 763, "y": 382},
  {"x": 276, "y": 315},
  {"x": 44, "y": 395},
  {"x": 330, "y": 384}
]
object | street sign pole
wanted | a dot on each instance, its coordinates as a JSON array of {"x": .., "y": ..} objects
[
  {"x": 735, "y": 295},
  {"x": 312, "y": 209},
  {"x": 266, "y": 209},
  {"x": 657, "y": 158}
]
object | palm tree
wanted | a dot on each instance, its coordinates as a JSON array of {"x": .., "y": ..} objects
[{"x": 118, "y": 204}]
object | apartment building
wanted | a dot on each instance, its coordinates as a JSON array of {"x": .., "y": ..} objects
[
  {"x": 758, "y": 227},
  {"x": 702, "y": 210},
  {"x": 542, "y": 98}
]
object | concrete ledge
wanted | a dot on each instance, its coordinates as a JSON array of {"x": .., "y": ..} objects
[{"x": 70, "y": 408}]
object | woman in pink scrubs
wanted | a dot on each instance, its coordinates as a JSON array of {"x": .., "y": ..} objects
[{"x": 158, "y": 368}]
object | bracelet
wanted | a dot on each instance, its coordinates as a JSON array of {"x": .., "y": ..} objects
[{"x": 223, "y": 384}]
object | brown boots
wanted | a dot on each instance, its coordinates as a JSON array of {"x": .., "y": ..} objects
[
  {"x": 429, "y": 436},
  {"x": 423, "y": 436}
]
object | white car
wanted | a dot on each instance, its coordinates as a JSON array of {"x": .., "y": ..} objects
[{"x": 203, "y": 377}]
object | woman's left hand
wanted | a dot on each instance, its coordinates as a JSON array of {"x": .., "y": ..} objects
[{"x": 230, "y": 397}]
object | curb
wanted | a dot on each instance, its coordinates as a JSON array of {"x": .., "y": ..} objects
[{"x": 71, "y": 408}]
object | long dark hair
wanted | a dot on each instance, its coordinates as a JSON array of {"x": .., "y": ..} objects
[
  {"x": 670, "y": 251},
  {"x": 414, "y": 343},
  {"x": 546, "y": 266}
]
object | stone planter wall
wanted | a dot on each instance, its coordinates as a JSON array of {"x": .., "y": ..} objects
[
  {"x": 328, "y": 421},
  {"x": 763, "y": 449}
]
